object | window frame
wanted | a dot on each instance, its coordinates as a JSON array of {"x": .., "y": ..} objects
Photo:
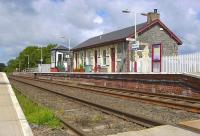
[{"x": 104, "y": 56}]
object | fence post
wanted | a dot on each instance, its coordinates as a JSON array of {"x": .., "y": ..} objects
[
  {"x": 167, "y": 63},
  {"x": 194, "y": 60},
  {"x": 171, "y": 64}
]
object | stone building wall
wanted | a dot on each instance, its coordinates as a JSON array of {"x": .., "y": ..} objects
[
  {"x": 156, "y": 36},
  {"x": 122, "y": 61}
]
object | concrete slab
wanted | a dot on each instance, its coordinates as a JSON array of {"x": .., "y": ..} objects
[
  {"x": 194, "y": 124},
  {"x": 196, "y": 75},
  {"x": 3, "y": 89},
  {"x": 8, "y": 113},
  {"x": 165, "y": 130},
  {"x": 5, "y": 101},
  {"x": 12, "y": 119},
  {"x": 10, "y": 128}
]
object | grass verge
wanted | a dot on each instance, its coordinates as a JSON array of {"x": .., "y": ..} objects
[{"x": 37, "y": 114}]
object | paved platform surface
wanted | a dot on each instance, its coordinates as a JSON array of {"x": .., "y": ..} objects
[
  {"x": 165, "y": 130},
  {"x": 196, "y": 75},
  {"x": 12, "y": 119},
  {"x": 194, "y": 124}
]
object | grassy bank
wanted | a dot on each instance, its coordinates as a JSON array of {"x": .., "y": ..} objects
[{"x": 36, "y": 114}]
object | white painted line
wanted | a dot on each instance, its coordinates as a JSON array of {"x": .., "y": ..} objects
[{"x": 22, "y": 119}]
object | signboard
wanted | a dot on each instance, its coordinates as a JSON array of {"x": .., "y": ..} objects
[
  {"x": 67, "y": 56},
  {"x": 130, "y": 39},
  {"x": 134, "y": 45}
]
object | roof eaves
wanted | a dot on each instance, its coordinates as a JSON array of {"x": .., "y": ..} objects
[{"x": 97, "y": 45}]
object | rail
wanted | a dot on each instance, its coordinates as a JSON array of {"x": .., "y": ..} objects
[{"x": 146, "y": 122}]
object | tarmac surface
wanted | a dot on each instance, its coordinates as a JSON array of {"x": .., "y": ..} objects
[{"x": 12, "y": 119}]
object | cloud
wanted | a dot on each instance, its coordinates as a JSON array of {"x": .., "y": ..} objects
[
  {"x": 98, "y": 20},
  {"x": 25, "y": 22}
]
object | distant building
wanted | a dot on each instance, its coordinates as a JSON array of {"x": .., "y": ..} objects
[
  {"x": 111, "y": 52},
  {"x": 60, "y": 59}
]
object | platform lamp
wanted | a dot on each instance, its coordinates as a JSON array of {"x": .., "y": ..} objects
[
  {"x": 19, "y": 66},
  {"x": 41, "y": 56},
  {"x": 135, "y": 27},
  {"x": 69, "y": 47},
  {"x": 135, "y": 14},
  {"x": 28, "y": 60}
]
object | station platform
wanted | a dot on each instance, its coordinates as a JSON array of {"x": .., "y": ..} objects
[
  {"x": 190, "y": 128},
  {"x": 12, "y": 119}
]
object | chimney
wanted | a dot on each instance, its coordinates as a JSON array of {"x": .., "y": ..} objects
[{"x": 151, "y": 16}]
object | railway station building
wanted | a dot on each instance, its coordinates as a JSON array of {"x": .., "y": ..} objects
[
  {"x": 111, "y": 52},
  {"x": 61, "y": 59}
]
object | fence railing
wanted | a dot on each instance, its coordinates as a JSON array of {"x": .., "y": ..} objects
[
  {"x": 144, "y": 65},
  {"x": 172, "y": 64},
  {"x": 181, "y": 63}
]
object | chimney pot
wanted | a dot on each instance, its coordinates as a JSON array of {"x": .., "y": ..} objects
[{"x": 151, "y": 16}]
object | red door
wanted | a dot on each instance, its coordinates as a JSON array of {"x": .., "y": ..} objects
[
  {"x": 156, "y": 57},
  {"x": 95, "y": 59},
  {"x": 113, "y": 59}
]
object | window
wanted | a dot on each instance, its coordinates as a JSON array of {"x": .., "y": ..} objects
[
  {"x": 89, "y": 56},
  {"x": 81, "y": 57},
  {"x": 104, "y": 57},
  {"x": 119, "y": 51},
  {"x": 84, "y": 57}
]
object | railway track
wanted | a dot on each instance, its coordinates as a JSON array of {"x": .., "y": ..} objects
[
  {"x": 146, "y": 122},
  {"x": 172, "y": 101},
  {"x": 63, "y": 120}
]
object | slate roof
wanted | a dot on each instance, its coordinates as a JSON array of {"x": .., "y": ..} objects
[
  {"x": 112, "y": 36},
  {"x": 60, "y": 47},
  {"x": 124, "y": 33}
]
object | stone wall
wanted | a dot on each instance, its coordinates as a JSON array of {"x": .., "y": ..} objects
[{"x": 155, "y": 36}]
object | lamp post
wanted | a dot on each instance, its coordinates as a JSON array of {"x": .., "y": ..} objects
[
  {"x": 69, "y": 46},
  {"x": 135, "y": 14},
  {"x": 19, "y": 63},
  {"x": 28, "y": 60},
  {"x": 135, "y": 32},
  {"x": 69, "y": 41},
  {"x": 41, "y": 58}
]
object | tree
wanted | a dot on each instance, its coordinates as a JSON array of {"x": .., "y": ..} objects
[
  {"x": 2, "y": 67},
  {"x": 21, "y": 61}
]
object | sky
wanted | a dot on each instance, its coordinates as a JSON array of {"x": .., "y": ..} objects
[{"x": 39, "y": 22}]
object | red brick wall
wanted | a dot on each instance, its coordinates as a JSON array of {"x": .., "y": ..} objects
[
  {"x": 167, "y": 88},
  {"x": 158, "y": 83}
]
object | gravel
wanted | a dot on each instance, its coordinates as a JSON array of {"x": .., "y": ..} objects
[
  {"x": 46, "y": 131},
  {"x": 91, "y": 121},
  {"x": 168, "y": 115}
]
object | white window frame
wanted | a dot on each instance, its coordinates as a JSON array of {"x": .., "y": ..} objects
[{"x": 104, "y": 57}]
